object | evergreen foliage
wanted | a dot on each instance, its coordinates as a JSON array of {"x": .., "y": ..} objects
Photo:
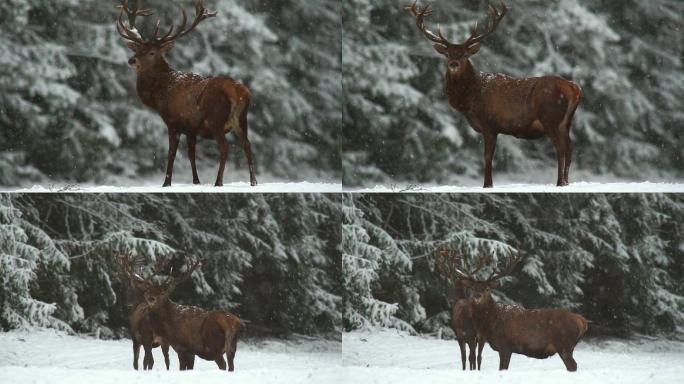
[{"x": 616, "y": 259}]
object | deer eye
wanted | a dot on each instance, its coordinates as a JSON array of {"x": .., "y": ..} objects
[{"x": 151, "y": 53}]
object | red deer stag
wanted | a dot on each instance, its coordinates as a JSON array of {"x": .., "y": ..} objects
[
  {"x": 192, "y": 331},
  {"x": 497, "y": 104},
  {"x": 508, "y": 329},
  {"x": 189, "y": 104},
  {"x": 462, "y": 321},
  {"x": 143, "y": 330}
]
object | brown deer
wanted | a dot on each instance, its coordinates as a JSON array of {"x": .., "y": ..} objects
[
  {"x": 537, "y": 333},
  {"x": 189, "y": 104},
  {"x": 191, "y": 331},
  {"x": 462, "y": 312},
  {"x": 496, "y": 104},
  {"x": 143, "y": 330}
]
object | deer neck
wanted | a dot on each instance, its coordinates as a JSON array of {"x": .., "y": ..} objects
[
  {"x": 463, "y": 90},
  {"x": 153, "y": 85}
]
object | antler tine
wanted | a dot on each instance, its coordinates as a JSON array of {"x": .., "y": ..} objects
[
  {"x": 495, "y": 17},
  {"x": 420, "y": 14},
  {"x": 130, "y": 33},
  {"x": 201, "y": 14},
  {"x": 512, "y": 263}
]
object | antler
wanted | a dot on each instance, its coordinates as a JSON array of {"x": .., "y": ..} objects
[
  {"x": 495, "y": 17},
  {"x": 201, "y": 14},
  {"x": 448, "y": 264},
  {"x": 127, "y": 264},
  {"x": 131, "y": 33},
  {"x": 420, "y": 14},
  {"x": 190, "y": 266}
]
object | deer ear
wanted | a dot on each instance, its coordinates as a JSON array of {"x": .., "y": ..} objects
[
  {"x": 167, "y": 47},
  {"x": 132, "y": 46},
  {"x": 473, "y": 49},
  {"x": 441, "y": 49},
  {"x": 140, "y": 284}
]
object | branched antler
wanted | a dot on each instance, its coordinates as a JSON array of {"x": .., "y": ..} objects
[{"x": 420, "y": 14}]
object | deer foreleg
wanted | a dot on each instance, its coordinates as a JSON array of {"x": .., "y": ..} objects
[
  {"x": 461, "y": 345},
  {"x": 192, "y": 143},
  {"x": 174, "y": 138},
  {"x": 165, "y": 351},
  {"x": 148, "y": 360},
  {"x": 136, "y": 353},
  {"x": 471, "y": 356},
  {"x": 480, "y": 346},
  {"x": 504, "y": 360},
  {"x": 490, "y": 147}
]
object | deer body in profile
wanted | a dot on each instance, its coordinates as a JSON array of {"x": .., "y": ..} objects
[
  {"x": 192, "y": 331},
  {"x": 537, "y": 333},
  {"x": 462, "y": 316},
  {"x": 144, "y": 331},
  {"x": 189, "y": 104},
  {"x": 495, "y": 104}
]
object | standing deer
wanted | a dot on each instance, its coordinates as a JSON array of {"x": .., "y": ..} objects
[
  {"x": 497, "y": 104},
  {"x": 143, "y": 330},
  {"x": 192, "y": 331},
  {"x": 462, "y": 312},
  {"x": 189, "y": 104},
  {"x": 538, "y": 333}
]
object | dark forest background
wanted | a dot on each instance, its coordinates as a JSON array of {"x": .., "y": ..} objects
[
  {"x": 274, "y": 260},
  {"x": 626, "y": 55},
  {"x": 69, "y": 111},
  {"x": 617, "y": 259}
]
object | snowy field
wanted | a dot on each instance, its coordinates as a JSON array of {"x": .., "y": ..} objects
[
  {"x": 578, "y": 187},
  {"x": 392, "y": 357},
  {"x": 237, "y": 187},
  {"x": 50, "y": 357}
]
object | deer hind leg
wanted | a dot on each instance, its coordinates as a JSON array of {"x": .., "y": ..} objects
[
  {"x": 242, "y": 134},
  {"x": 230, "y": 352},
  {"x": 220, "y": 362},
  {"x": 569, "y": 361},
  {"x": 165, "y": 352},
  {"x": 136, "y": 353},
  {"x": 559, "y": 145},
  {"x": 461, "y": 345},
  {"x": 472, "y": 345},
  {"x": 223, "y": 148}
]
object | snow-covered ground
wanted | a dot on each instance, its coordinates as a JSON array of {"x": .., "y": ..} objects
[
  {"x": 392, "y": 357},
  {"x": 578, "y": 187},
  {"x": 51, "y": 357},
  {"x": 237, "y": 187}
]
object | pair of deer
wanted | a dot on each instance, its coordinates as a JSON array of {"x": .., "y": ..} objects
[
  {"x": 493, "y": 104},
  {"x": 190, "y": 331},
  {"x": 537, "y": 333}
]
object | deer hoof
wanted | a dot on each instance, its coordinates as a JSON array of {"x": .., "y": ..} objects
[
  {"x": 253, "y": 183},
  {"x": 218, "y": 184},
  {"x": 196, "y": 182},
  {"x": 167, "y": 184}
]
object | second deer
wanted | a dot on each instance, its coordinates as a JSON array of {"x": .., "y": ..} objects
[
  {"x": 462, "y": 315},
  {"x": 497, "y": 104}
]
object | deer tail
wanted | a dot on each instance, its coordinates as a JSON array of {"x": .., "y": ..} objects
[
  {"x": 573, "y": 93},
  {"x": 239, "y": 97},
  {"x": 582, "y": 326}
]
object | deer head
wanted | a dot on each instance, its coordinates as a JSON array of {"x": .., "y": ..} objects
[
  {"x": 157, "y": 295},
  {"x": 457, "y": 55},
  {"x": 449, "y": 263},
  {"x": 149, "y": 53}
]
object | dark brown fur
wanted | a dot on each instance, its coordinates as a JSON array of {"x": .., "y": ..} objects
[
  {"x": 496, "y": 104},
  {"x": 189, "y": 104},
  {"x": 537, "y": 333}
]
